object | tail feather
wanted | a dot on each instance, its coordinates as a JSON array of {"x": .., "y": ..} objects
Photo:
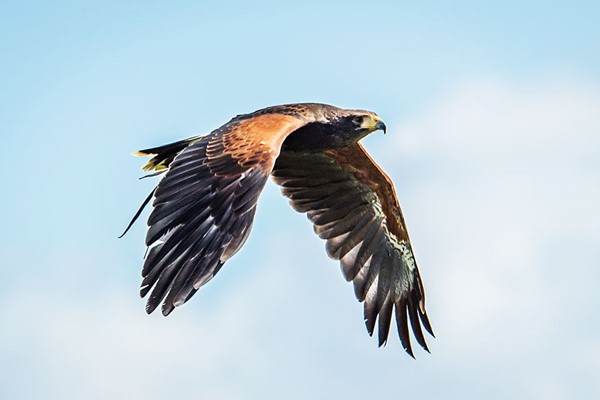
[{"x": 164, "y": 155}]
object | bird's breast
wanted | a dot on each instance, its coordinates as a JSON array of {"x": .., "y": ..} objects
[{"x": 316, "y": 137}]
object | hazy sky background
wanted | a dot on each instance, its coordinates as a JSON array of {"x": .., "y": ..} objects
[{"x": 493, "y": 115}]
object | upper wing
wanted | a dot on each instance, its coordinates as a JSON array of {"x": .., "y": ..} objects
[
  {"x": 205, "y": 204},
  {"x": 352, "y": 205}
]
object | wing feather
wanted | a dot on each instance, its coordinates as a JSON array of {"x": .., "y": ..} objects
[
  {"x": 352, "y": 205},
  {"x": 204, "y": 206},
  {"x": 205, "y": 203}
]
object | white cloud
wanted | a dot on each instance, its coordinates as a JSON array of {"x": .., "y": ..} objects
[
  {"x": 506, "y": 221},
  {"x": 498, "y": 122}
]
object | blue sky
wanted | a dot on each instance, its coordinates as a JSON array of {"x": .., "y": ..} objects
[{"x": 493, "y": 146}]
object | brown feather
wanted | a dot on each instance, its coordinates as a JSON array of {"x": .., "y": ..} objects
[
  {"x": 352, "y": 204},
  {"x": 204, "y": 207},
  {"x": 356, "y": 160},
  {"x": 255, "y": 141}
]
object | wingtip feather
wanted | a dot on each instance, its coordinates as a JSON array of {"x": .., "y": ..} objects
[{"x": 426, "y": 324}]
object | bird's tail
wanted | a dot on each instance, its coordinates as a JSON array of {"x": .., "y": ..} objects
[{"x": 164, "y": 155}]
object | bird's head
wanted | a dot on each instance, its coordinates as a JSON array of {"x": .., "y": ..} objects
[
  {"x": 364, "y": 121},
  {"x": 356, "y": 124},
  {"x": 333, "y": 128}
]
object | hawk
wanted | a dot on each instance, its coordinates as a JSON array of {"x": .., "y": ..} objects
[{"x": 204, "y": 206}]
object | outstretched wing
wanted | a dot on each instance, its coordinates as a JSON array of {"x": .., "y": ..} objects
[
  {"x": 352, "y": 205},
  {"x": 205, "y": 204}
]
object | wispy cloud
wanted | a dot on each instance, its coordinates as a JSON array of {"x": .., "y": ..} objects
[{"x": 505, "y": 216}]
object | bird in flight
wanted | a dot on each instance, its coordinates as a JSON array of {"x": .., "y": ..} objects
[{"x": 204, "y": 206}]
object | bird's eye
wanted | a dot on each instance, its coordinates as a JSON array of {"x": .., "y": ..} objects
[{"x": 357, "y": 120}]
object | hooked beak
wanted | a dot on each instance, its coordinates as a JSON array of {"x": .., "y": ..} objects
[{"x": 380, "y": 125}]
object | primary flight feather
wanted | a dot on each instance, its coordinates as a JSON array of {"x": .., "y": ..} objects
[{"x": 204, "y": 206}]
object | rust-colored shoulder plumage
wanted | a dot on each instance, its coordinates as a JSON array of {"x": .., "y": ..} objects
[
  {"x": 204, "y": 206},
  {"x": 253, "y": 142}
]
